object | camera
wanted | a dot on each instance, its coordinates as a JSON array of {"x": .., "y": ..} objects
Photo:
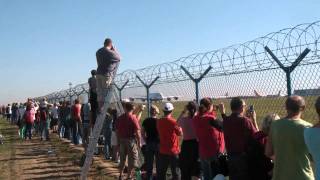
[{"x": 251, "y": 108}]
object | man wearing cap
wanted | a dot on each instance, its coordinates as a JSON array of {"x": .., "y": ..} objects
[
  {"x": 108, "y": 60},
  {"x": 169, "y": 133}
]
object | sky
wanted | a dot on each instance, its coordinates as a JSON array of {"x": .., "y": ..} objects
[{"x": 46, "y": 44}]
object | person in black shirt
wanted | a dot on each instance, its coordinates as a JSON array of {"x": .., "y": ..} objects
[{"x": 151, "y": 137}]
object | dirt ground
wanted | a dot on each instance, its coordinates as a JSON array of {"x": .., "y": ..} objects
[{"x": 54, "y": 159}]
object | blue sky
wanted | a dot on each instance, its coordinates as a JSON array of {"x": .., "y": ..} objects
[{"x": 46, "y": 44}]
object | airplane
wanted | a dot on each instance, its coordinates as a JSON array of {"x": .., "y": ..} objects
[
  {"x": 259, "y": 95},
  {"x": 226, "y": 96},
  {"x": 155, "y": 97}
]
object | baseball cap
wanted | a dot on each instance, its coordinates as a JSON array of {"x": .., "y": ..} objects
[{"x": 168, "y": 107}]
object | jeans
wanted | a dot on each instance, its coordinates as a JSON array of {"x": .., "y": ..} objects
[
  {"x": 188, "y": 159},
  {"x": 94, "y": 106},
  {"x": 28, "y": 131},
  {"x": 67, "y": 129},
  {"x": 152, "y": 152},
  {"x": 61, "y": 131},
  {"x": 85, "y": 133},
  {"x": 37, "y": 127},
  {"x": 164, "y": 161},
  {"x": 44, "y": 131},
  {"x": 107, "y": 143},
  {"x": 76, "y": 131}
]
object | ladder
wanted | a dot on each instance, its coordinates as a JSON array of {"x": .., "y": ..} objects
[{"x": 112, "y": 94}]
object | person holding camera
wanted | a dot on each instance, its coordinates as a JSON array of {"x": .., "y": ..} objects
[
  {"x": 238, "y": 131},
  {"x": 108, "y": 60},
  {"x": 151, "y": 137},
  {"x": 189, "y": 155},
  {"x": 210, "y": 139}
]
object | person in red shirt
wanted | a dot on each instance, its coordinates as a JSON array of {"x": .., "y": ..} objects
[
  {"x": 238, "y": 130},
  {"x": 169, "y": 133},
  {"x": 76, "y": 121},
  {"x": 211, "y": 140},
  {"x": 128, "y": 134}
]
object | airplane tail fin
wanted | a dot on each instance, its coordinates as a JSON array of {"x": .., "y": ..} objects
[{"x": 257, "y": 94}]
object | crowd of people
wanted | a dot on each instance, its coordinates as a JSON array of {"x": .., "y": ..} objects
[
  {"x": 233, "y": 146},
  {"x": 196, "y": 145},
  {"x": 283, "y": 148}
]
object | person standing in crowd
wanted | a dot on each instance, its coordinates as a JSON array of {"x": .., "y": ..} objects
[
  {"x": 169, "y": 133},
  {"x": 76, "y": 121},
  {"x": 15, "y": 113},
  {"x": 20, "y": 122},
  {"x": 8, "y": 112},
  {"x": 37, "y": 122},
  {"x": 21, "y": 112},
  {"x": 211, "y": 140},
  {"x": 3, "y": 111},
  {"x": 151, "y": 137},
  {"x": 55, "y": 117},
  {"x": 44, "y": 131},
  {"x": 189, "y": 155},
  {"x": 108, "y": 60},
  {"x": 62, "y": 119},
  {"x": 107, "y": 132},
  {"x": 128, "y": 132},
  {"x": 312, "y": 140},
  {"x": 114, "y": 139},
  {"x": 68, "y": 121},
  {"x": 259, "y": 164},
  {"x": 85, "y": 116},
  {"x": 92, "y": 81},
  {"x": 238, "y": 131},
  {"x": 29, "y": 117},
  {"x": 286, "y": 143}
]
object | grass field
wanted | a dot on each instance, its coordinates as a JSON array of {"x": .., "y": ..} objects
[{"x": 262, "y": 106}]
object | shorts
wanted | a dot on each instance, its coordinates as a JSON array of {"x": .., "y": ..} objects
[
  {"x": 103, "y": 83},
  {"x": 129, "y": 147},
  {"x": 114, "y": 141}
]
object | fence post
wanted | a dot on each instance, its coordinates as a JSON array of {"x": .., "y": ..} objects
[
  {"x": 196, "y": 80},
  {"x": 288, "y": 69},
  {"x": 148, "y": 86},
  {"x": 121, "y": 88}
]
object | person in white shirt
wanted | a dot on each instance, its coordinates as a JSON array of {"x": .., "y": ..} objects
[
  {"x": 55, "y": 117},
  {"x": 21, "y": 111},
  {"x": 8, "y": 112}
]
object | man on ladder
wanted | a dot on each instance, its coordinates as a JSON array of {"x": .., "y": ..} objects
[{"x": 108, "y": 60}]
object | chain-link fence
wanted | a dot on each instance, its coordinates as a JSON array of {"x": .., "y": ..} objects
[{"x": 262, "y": 71}]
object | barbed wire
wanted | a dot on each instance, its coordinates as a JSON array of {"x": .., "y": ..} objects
[{"x": 250, "y": 56}]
